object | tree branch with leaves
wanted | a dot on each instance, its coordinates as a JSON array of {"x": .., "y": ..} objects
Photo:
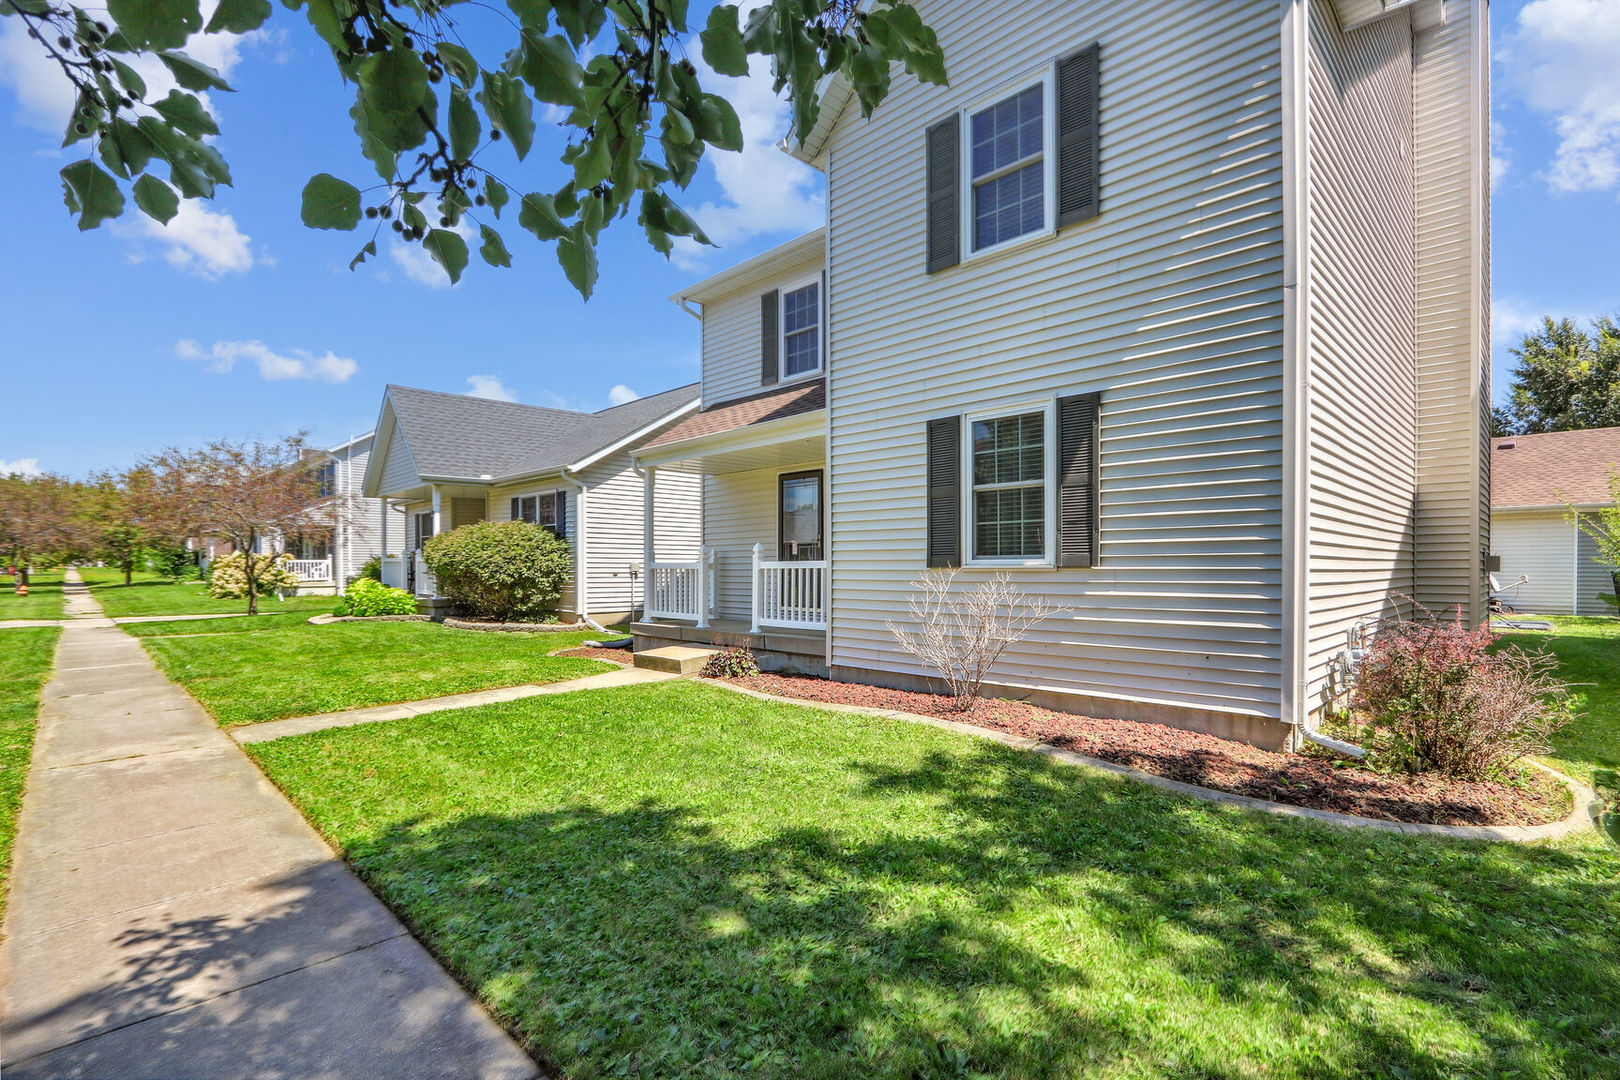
[{"x": 428, "y": 112}]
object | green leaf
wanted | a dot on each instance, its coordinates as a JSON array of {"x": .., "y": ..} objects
[
  {"x": 94, "y": 192},
  {"x": 531, "y": 12},
  {"x": 548, "y": 65},
  {"x": 538, "y": 214},
  {"x": 370, "y": 248},
  {"x": 723, "y": 48},
  {"x": 156, "y": 199},
  {"x": 495, "y": 194},
  {"x": 398, "y": 131},
  {"x": 129, "y": 79},
  {"x": 187, "y": 114},
  {"x": 577, "y": 255},
  {"x": 323, "y": 16},
  {"x": 508, "y": 107},
  {"x": 330, "y": 203},
  {"x": 593, "y": 165},
  {"x": 464, "y": 126},
  {"x": 720, "y": 124},
  {"x": 192, "y": 74},
  {"x": 395, "y": 81},
  {"x": 677, "y": 128},
  {"x": 26, "y": 7},
  {"x": 449, "y": 250},
  {"x": 580, "y": 19},
  {"x": 459, "y": 62},
  {"x": 493, "y": 249},
  {"x": 125, "y": 150},
  {"x": 382, "y": 158},
  {"x": 238, "y": 16},
  {"x": 155, "y": 24}
]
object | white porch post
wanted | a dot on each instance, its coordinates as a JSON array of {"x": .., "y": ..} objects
[
  {"x": 702, "y": 598},
  {"x": 385, "y": 528},
  {"x": 438, "y": 511},
  {"x": 753, "y": 586},
  {"x": 647, "y": 548}
]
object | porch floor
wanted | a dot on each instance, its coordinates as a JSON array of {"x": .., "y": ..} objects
[{"x": 803, "y": 651}]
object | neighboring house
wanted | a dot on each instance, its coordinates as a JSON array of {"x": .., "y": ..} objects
[
  {"x": 1179, "y": 316},
  {"x": 327, "y": 562},
  {"x": 447, "y": 460},
  {"x": 1535, "y": 479}
]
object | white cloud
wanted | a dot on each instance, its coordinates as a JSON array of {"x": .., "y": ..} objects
[
  {"x": 1561, "y": 60},
  {"x": 489, "y": 386},
  {"x": 197, "y": 240},
  {"x": 26, "y": 466},
  {"x": 419, "y": 266},
  {"x": 1511, "y": 319},
  {"x": 621, "y": 395},
  {"x": 222, "y": 357},
  {"x": 765, "y": 190},
  {"x": 1501, "y": 158}
]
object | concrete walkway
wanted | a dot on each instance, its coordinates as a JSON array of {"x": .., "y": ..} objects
[
  {"x": 172, "y": 916},
  {"x": 22, "y": 624},
  {"x": 301, "y": 725}
]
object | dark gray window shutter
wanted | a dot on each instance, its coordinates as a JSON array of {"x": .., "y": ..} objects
[
  {"x": 562, "y": 514},
  {"x": 517, "y": 510},
  {"x": 822, "y": 329},
  {"x": 944, "y": 180},
  {"x": 1077, "y": 90},
  {"x": 769, "y": 337},
  {"x": 945, "y": 491},
  {"x": 1078, "y": 518}
]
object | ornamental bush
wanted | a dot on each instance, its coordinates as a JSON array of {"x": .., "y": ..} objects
[
  {"x": 369, "y": 598},
  {"x": 508, "y": 570},
  {"x": 1441, "y": 699},
  {"x": 227, "y": 575},
  {"x": 371, "y": 568},
  {"x": 735, "y": 662}
]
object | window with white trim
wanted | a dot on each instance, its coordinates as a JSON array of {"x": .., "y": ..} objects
[
  {"x": 538, "y": 509},
  {"x": 1008, "y": 474},
  {"x": 1008, "y": 154},
  {"x": 801, "y": 330}
]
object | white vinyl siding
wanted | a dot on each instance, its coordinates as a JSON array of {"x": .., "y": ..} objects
[
  {"x": 1539, "y": 545},
  {"x": 399, "y": 470},
  {"x": 614, "y": 508},
  {"x": 1453, "y": 310},
  {"x": 1169, "y": 302},
  {"x": 732, "y": 347},
  {"x": 361, "y": 536},
  {"x": 739, "y": 511},
  {"x": 1362, "y": 389},
  {"x": 1594, "y": 579},
  {"x": 500, "y": 509}
]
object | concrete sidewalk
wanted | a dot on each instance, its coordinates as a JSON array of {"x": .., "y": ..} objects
[{"x": 172, "y": 916}]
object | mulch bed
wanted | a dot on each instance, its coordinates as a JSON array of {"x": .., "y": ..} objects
[
  {"x": 1225, "y": 765},
  {"x": 623, "y": 657}
]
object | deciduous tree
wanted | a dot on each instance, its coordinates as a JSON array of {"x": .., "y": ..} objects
[
  {"x": 1566, "y": 378},
  {"x": 40, "y": 521},
  {"x": 428, "y": 109}
]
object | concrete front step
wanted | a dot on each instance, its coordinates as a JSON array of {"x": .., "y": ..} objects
[{"x": 680, "y": 659}]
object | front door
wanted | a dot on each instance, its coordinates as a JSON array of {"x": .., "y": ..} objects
[{"x": 800, "y": 517}]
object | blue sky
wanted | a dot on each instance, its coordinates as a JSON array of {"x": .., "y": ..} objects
[{"x": 236, "y": 320}]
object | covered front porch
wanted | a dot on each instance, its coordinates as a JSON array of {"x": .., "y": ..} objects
[{"x": 760, "y": 576}]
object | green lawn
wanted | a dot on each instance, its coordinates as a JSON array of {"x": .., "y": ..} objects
[
  {"x": 26, "y": 659},
  {"x": 44, "y": 599},
  {"x": 677, "y": 881},
  {"x": 149, "y": 595},
  {"x": 276, "y": 666},
  {"x": 1588, "y": 652}
]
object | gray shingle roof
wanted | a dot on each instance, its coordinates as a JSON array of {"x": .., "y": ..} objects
[{"x": 453, "y": 435}]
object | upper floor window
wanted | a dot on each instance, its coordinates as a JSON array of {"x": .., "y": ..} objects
[
  {"x": 1007, "y": 167},
  {"x": 326, "y": 477},
  {"x": 801, "y": 330}
]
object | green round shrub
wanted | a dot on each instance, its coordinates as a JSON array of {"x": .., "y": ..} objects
[
  {"x": 508, "y": 570},
  {"x": 367, "y": 597}
]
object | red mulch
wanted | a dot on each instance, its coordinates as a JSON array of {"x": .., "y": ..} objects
[
  {"x": 617, "y": 656},
  {"x": 1222, "y": 764}
]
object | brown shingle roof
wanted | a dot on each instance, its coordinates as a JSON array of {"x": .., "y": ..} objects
[
  {"x": 1553, "y": 468},
  {"x": 775, "y": 404}
]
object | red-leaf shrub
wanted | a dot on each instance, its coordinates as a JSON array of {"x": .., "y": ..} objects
[{"x": 1441, "y": 700}]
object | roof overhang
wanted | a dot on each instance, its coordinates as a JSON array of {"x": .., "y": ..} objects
[
  {"x": 791, "y": 440},
  {"x": 1562, "y": 508},
  {"x": 807, "y": 248},
  {"x": 1354, "y": 14}
]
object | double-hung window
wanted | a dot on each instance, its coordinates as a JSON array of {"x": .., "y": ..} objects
[
  {"x": 801, "y": 330},
  {"x": 1008, "y": 473},
  {"x": 1007, "y": 156},
  {"x": 544, "y": 509}
]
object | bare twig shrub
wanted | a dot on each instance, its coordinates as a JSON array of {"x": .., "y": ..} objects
[
  {"x": 1442, "y": 700},
  {"x": 961, "y": 633}
]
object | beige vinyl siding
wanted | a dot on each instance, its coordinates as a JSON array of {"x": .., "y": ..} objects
[
  {"x": 731, "y": 336},
  {"x": 500, "y": 509},
  {"x": 1362, "y": 384},
  {"x": 1170, "y": 303},
  {"x": 1540, "y": 545},
  {"x": 362, "y": 534},
  {"x": 399, "y": 470},
  {"x": 1453, "y": 310},
  {"x": 739, "y": 511},
  {"x": 614, "y": 508}
]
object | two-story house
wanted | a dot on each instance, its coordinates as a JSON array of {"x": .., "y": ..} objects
[{"x": 1176, "y": 312}]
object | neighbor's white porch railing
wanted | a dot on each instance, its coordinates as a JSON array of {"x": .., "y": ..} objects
[
  {"x": 393, "y": 571},
  {"x": 312, "y": 569},
  {"x": 425, "y": 585},
  {"x": 790, "y": 594},
  {"x": 681, "y": 590}
]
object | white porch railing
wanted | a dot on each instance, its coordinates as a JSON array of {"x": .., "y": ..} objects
[
  {"x": 393, "y": 571},
  {"x": 312, "y": 569},
  {"x": 681, "y": 590},
  {"x": 425, "y": 585},
  {"x": 789, "y": 594}
]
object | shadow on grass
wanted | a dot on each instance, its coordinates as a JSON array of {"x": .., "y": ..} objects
[{"x": 1036, "y": 923}]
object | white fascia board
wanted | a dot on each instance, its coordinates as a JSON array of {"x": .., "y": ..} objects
[
  {"x": 751, "y": 437},
  {"x": 635, "y": 436},
  {"x": 761, "y": 266}
]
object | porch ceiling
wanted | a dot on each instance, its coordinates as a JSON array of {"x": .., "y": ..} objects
[{"x": 809, "y": 449}]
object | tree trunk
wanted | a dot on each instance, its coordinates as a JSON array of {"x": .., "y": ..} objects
[
  {"x": 129, "y": 572},
  {"x": 22, "y": 579},
  {"x": 249, "y": 566}
]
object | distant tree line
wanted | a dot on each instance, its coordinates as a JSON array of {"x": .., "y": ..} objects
[{"x": 1566, "y": 379}]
